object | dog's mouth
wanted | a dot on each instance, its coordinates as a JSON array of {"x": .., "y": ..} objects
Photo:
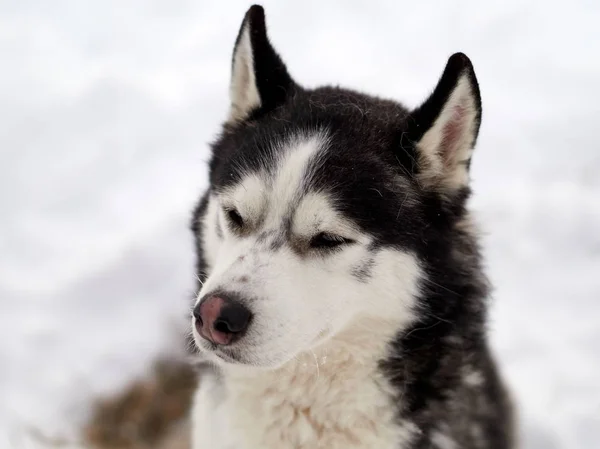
[
  {"x": 221, "y": 354},
  {"x": 227, "y": 356}
]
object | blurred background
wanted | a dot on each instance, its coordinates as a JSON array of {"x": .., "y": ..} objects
[{"x": 106, "y": 111}]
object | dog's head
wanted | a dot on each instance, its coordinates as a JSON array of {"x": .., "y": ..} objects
[{"x": 326, "y": 207}]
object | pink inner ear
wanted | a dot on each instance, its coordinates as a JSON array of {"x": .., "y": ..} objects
[{"x": 453, "y": 132}]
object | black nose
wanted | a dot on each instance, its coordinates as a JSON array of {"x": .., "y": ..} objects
[{"x": 221, "y": 318}]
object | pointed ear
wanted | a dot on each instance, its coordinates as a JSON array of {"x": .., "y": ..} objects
[
  {"x": 444, "y": 129},
  {"x": 259, "y": 78}
]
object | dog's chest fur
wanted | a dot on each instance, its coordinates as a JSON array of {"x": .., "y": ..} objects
[{"x": 335, "y": 398}]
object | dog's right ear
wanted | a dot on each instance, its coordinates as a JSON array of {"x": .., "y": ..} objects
[{"x": 259, "y": 78}]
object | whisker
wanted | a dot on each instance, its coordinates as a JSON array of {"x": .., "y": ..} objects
[
  {"x": 440, "y": 286},
  {"x": 316, "y": 363},
  {"x": 401, "y": 206},
  {"x": 422, "y": 328},
  {"x": 199, "y": 280}
]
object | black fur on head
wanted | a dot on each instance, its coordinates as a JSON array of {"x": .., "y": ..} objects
[{"x": 377, "y": 165}]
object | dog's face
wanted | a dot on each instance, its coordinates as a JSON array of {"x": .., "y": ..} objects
[
  {"x": 286, "y": 248},
  {"x": 321, "y": 206}
]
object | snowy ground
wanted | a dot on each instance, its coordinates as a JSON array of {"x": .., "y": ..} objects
[{"x": 106, "y": 108}]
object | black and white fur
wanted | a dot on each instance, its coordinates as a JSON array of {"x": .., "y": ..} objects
[{"x": 339, "y": 219}]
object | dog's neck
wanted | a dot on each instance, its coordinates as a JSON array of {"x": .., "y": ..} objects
[{"x": 333, "y": 396}]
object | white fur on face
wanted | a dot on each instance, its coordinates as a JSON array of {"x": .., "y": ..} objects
[
  {"x": 243, "y": 90},
  {"x": 299, "y": 297},
  {"x": 447, "y": 146}
]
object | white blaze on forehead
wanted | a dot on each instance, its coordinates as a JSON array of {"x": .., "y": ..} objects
[
  {"x": 291, "y": 170},
  {"x": 281, "y": 186}
]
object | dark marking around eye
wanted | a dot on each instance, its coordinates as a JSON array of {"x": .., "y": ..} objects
[
  {"x": 235, "y": 218},
  {"x": 324, "y": 240}
]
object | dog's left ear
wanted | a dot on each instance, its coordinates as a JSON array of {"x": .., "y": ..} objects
[
  {"x": 259, "y": 78},
  {"x": 443, "y": 130}
]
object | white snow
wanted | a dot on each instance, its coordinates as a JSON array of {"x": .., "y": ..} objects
[{"x": 106, "y": 109}]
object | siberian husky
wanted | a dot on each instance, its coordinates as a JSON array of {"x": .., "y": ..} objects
[{"x": 342, "y": 301}]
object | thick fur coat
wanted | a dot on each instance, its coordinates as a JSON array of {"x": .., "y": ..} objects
[{"x": 336, "y": 227}]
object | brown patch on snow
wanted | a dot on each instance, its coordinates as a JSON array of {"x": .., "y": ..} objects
[{"x": 150, "y": 414}]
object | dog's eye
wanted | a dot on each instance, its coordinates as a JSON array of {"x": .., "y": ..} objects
[
  {"x": 235, "y": 218},
  {"x": 324, "y": 240}
]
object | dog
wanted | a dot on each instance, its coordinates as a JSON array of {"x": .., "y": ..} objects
[{"x": 342, "y": 301}]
